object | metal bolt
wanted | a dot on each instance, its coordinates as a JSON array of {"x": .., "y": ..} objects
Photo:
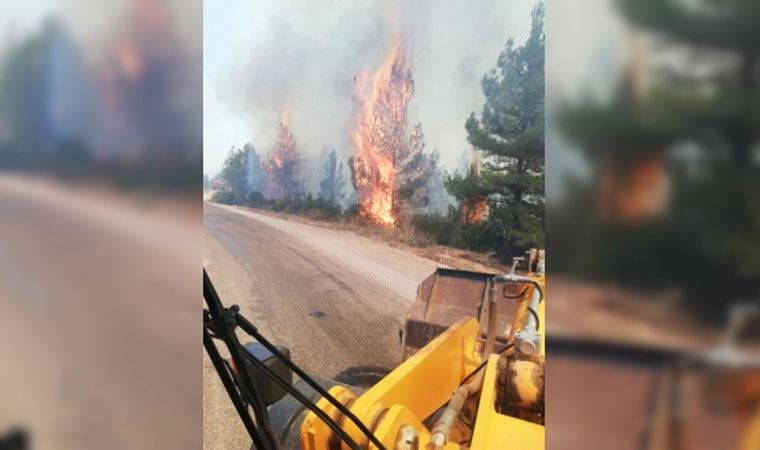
[{"x": 408, "y": 439}]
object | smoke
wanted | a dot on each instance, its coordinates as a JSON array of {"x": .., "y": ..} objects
[
  {"x": 121, "y": 79},
  {"x": 255, "y": 172},
  {"x": 147, "y": 83},
  {"x": 306, "y": 54}
]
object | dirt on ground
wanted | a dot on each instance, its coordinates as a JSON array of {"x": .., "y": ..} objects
[{"x": 405, "y": 239}]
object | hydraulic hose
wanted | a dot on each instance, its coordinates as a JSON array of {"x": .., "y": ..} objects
[
  {"x": 492, "y": 316},
  {"x": 527, "y": 339},
  {"x": 442, "y": 429}
]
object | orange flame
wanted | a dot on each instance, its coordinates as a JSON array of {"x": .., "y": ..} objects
[
  {"x": 284, "y": 116},
  {"x": 641, "y": 194},
  {"x": 475, "y": 210},
  {"x": 379, "y": 132},
  {"x": 282, "y": 153}
]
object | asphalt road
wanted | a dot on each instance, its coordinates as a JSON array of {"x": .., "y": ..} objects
[
  {"x": 99, "y": 331},
  {"x": 335, "y": 299}
]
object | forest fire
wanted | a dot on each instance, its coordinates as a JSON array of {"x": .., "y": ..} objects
[
  {"x": 475, "y": 210},
  {"x": 639, "y": 196},
  {"x": 283, "y": 162},
  {"x": 285, "y": 143},
  {"x": 380, "y": 134},
  {"x": 135, "y": 78}
]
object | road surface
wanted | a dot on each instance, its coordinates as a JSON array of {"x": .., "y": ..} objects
[
  {"x": 335, "y": 299},
  {"x": 100, "y": 324}
]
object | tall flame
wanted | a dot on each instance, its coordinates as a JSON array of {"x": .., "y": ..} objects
[
  {"x": 475, "y": 208},
  {"x": 379, "y": 133},
  {"x": 284, "y": 116},
  {"x": 282, "y": 159}
]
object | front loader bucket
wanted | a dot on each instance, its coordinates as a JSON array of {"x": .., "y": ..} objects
[{"x": 444, "y": 298}]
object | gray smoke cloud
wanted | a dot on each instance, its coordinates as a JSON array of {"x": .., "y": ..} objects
[{"x": 305, "y": 55}]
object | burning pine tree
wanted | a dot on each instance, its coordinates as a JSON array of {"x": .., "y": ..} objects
[
  {"x": 283, "y": 164},
  {"x": 389, "y": 168},
  {"x": 474, "y": 206}
]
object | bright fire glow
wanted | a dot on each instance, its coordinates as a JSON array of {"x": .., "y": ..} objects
[
  {"x": 475, "y": 210},
  {"x": 379, "y": 133},
  {"x": 282, "y": 159}
]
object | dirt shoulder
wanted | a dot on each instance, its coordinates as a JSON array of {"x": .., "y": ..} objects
[{"x": 405, "y": 239}]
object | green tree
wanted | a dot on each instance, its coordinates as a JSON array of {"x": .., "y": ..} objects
[
  {"x": 256, "y": 175},
  {"x": 332, "y": 186},
  {"x": 438, "y": 199},
  {"x": 235, "y": 173},
  {"x": 32, "y": 73},
  {"x": 706, "y": 241},
  {"x": 509, "y": 138},
  {"x": 414, "y": 168}
]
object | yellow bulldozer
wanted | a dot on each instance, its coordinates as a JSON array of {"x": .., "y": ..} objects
[{"x": 471, "y": 376}]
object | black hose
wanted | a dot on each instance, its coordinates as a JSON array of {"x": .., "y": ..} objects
[
  {"x": 512, "y": 297},
  {"x": 251, "y": 329},
  {"x": 535, "y": 284},
  {"x": 535, "y": 316},
  {"x": 303, "y": 400},
  {"x": 229, "y": 385},
  {"x": 483, "y": 364},
  {"x": 223, "y": 322}
]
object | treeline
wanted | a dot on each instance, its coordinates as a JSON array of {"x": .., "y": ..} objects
[
  {"x": 59, "y": 116},
  {"x": 493, "y": 203},
  {"x": 277, "y": 183}
]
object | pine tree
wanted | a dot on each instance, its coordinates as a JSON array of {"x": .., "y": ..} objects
[
  {"x": 706, "y": 239},
  {"x": 255, "y": 173},
  {"x": 439, "y": 200},
  {"x": 510, "y": 140},
  {"x": 235, "y": 174},
  {"x": 413, "y": 170},
  {"x": 389, "y": 169},
  {"x": 284, "y": 166},
  {"x": 332, "y": 186}
]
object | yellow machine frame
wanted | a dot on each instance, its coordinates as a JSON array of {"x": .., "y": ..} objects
[{"x": 396, "y": 406}]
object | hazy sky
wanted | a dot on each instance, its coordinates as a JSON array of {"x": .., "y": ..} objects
[{"x": 260, "y": 55}]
